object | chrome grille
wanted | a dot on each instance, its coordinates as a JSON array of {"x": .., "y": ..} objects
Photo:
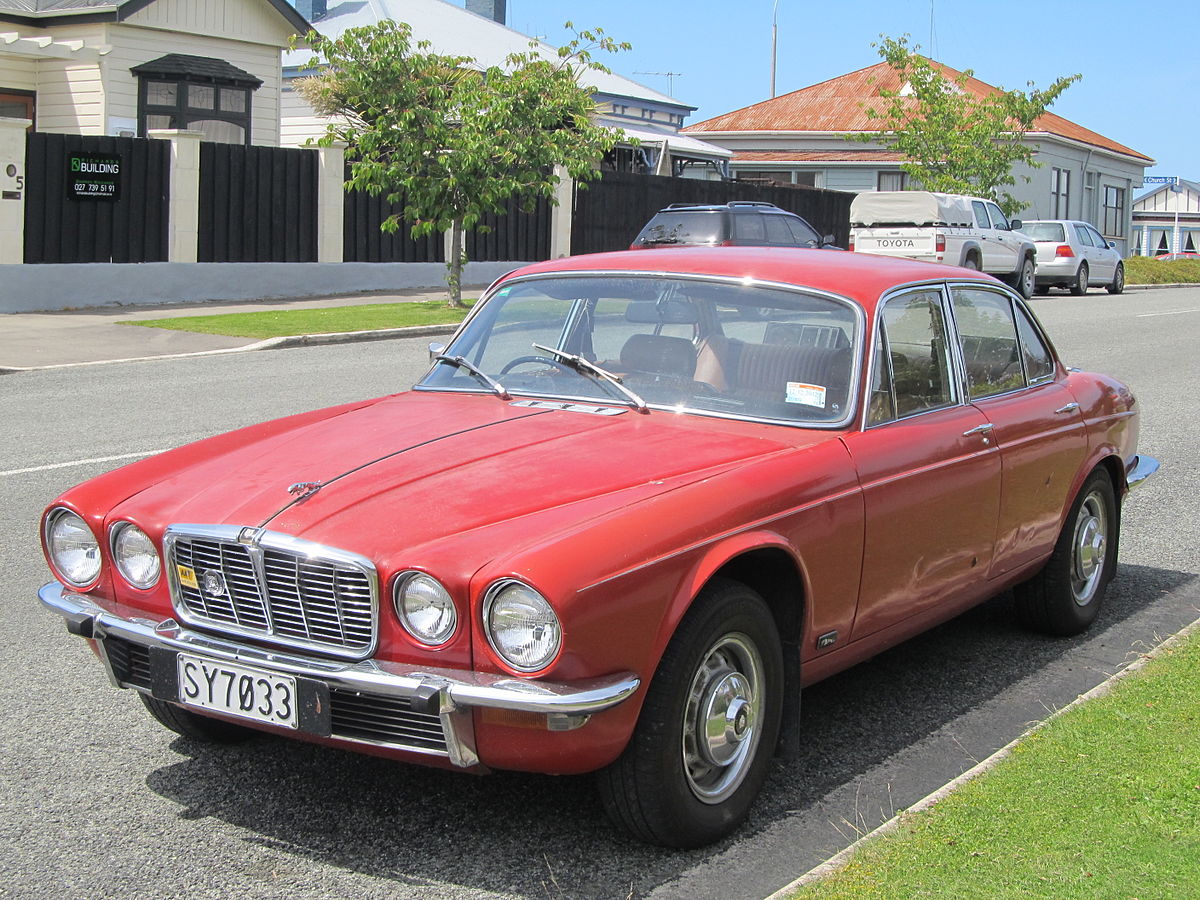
[
  {"x": 377, "y": 719},
  {"x": 273, "y": 586}
]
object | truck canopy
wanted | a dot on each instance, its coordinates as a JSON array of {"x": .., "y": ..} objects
[{"x": 873, "y": 208}]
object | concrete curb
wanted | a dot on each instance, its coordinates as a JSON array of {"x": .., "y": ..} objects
[
  {"x": 840, "y": 859},
  {"x": 1150, "y": 287},
  {"x": 276, "y": 343}
]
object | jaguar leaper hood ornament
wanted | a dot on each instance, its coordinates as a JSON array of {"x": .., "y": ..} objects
[{"x": 302, "y": 490}]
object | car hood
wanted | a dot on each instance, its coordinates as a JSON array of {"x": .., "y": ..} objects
[{"x": 405, "y": 470}]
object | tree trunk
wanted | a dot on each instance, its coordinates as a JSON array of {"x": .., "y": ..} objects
[{"x": 454, "y": 265}]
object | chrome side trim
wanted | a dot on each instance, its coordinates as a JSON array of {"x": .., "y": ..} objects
[
  {"x": 451, "y": 692},
  {"x": 1138, "y": 469}
]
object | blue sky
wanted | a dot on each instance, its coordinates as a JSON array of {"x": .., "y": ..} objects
[{"x": 1137, "y": 88}]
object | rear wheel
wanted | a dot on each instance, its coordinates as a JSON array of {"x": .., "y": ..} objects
[
  {"x": 972, "y": 262},
  {"x": 190, "y": 725},
  {"x": 1118, "y": 283},
  {"x": 1080, "y": 285},
  {"x": 699, "y": 754},
  {"x": 1065, "y": 597}
]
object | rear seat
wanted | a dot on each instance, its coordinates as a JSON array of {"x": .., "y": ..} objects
[{"x": 763, "y": 371}]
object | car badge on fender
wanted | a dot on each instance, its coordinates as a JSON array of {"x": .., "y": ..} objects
[{"x": 302, "y": 490}]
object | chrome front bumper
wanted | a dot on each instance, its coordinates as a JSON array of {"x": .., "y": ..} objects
[
  {"x": 1138, "y": 469},
  {"x": 448, "y": 693}
]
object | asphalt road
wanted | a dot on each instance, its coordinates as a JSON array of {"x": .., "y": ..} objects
[{"x": 97, "y": 801}]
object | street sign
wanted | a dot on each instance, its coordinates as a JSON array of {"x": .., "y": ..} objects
[{"x": 1161, "y": 179}]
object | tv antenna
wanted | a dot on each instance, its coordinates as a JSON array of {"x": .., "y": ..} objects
[{"x": 670, "y": 76}]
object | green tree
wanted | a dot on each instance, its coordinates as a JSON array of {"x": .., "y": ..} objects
[
  {"x": 450, "y": 140},
  {"x": 951, "y": 139}
]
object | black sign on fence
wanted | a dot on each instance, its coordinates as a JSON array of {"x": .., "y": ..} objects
[{"x": 93, "y": 176}]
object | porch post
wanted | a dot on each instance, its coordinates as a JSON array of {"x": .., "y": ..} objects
[
  {"x": 183, "y": 214},
  {"x": 12, "y": 189}
]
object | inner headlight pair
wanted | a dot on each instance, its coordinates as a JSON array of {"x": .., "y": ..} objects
[
  {"x": 520, "y": 624},
  {"x": 75, "y": 551}
]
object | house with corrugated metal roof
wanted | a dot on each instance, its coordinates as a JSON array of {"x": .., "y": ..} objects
[
  {"x": 479, "y": 32},
  {"x": 800, "y": 138},
  {"x": 124, "y": 67}
]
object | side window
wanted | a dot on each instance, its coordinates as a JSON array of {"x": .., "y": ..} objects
[
  {"x": 912, "y": 363},
  {"x": 1084, "y": 236},
  {"x": 777, "y": 231},
  {"x": 748, "y": 227},
  {"x": 801, "y": 233},
  {"x": 1099, "y": 241},
  {"x": 1039, "y": 364},
  {"x": 981, "y": 217},
  {"x": 989, "y": 342},
  {"x": 998, "y": 220}
]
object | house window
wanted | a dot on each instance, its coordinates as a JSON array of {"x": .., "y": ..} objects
[
  {"x": 893, "y": 181},
  {"x": 198, "y": 94},
  {"x": 1060, "y": 193},
  {"x": 18, "y": 105},
  {"x": 1114, "y": 211}
]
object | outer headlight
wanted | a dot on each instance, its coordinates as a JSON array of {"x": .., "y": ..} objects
[
  {"x": 521, "y": 626},
  {"x": 136, "y": 556},
  {"x": 73, "y": 548},
  {"x": 425, "y": 608}
]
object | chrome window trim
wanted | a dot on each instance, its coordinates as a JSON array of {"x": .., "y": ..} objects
[
  {"x": 274, "y": 540},
  {"x": 855, "y": 308}
]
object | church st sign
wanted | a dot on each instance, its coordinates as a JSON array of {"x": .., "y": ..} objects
[{"x": 93, "y": 176}]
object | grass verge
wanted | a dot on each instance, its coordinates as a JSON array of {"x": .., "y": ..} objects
[
  {"x": 287, "y": 322},
  {"x": 1146, "y": 270},
  {"x": 1103, "y": 802}
]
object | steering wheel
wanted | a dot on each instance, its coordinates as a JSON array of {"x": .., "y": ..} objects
[{"x": 544, "y": 360}]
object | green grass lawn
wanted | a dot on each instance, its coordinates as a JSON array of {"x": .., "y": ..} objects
[
  {"x": 1103, "y": 802},
  {"x": 1146, "y": 270},
  {"x": 286, "y": 322}
]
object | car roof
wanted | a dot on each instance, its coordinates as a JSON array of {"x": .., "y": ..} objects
[
  {"x": 859, "y": 276},
  {"x": 732, "y": 206}
]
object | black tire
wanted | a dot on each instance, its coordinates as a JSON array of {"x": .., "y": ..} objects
[
  {"x": 1023, "y": 279},
  {"x": 724, "y": 663},
  {"x": 1066, "y": 596},
  {"x": 1080, "y": 285},
  {"x": 196, "y": 727},
  {"x": 1118, "y": 282}
]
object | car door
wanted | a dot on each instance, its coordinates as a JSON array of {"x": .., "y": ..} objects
[
  {"x": 994, "y": 258},
  {"x": 929, "y": 471},
  {"x": 1036, "y": 424},
  {"x": 1089, "y": 250},
  {"x": 1009, "y": 245},
  {"x": 1106, "y": 257}
]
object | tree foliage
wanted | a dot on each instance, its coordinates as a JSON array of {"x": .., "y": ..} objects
[
  {"x": 952, "y": 140},
  {"x": 449, "y": 139}
]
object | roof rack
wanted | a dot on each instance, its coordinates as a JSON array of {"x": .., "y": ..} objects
[{"x": 752, "y": 203}]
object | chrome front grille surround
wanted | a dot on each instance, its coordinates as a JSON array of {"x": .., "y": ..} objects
[{"x": 273, "y": 587}]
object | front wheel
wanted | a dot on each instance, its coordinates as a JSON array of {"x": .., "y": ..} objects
[
  {"x": 699, "y": 754},
  {"x": 1118, "y": 283},
  {"x": 1080, "y": 285},
  {"x": 1024, "y": 279},
  {"x": 1065, "y": 597}
]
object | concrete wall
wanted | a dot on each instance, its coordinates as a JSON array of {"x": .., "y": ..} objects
[{"x": 43, "y": 288}]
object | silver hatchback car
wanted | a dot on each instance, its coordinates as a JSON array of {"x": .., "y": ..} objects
[{"x": 1073, "y": 255}]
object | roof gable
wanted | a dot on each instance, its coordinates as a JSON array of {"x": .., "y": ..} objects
[
  {"x": 60, "y": 12},
  {"x": 836, "y": 106}
]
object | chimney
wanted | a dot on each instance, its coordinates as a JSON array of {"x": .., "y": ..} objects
[
  {"x": 489, "y": 9},
  {"x": 312, "y": 10}
]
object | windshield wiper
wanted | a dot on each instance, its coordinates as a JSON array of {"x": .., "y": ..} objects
[
  {"x": 585, "y": 366},
  {"x": 496, "y": 387}
]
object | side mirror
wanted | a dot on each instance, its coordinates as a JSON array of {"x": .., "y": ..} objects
[
  {"x": 1015, "y": 224},
  {"x": 1112, "y": 245},
  {"x": 436, "y": 350},
  {"x": 828, "y": 239}
]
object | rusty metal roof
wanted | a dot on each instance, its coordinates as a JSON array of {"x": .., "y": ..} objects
[
  {"x": 839, "y": 105},
  {"x": 848, "y": 155}
]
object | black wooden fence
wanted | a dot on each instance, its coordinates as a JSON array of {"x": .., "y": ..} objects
[
  {"x": 257, "y": 204},
  {"x": 127, "y": 226},
  {"x": 610, "y": 211}
]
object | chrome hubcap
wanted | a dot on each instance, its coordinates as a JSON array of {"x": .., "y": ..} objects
[
  {"x": 720, "y": 727},
  {"x": 1090, "y": 548}
]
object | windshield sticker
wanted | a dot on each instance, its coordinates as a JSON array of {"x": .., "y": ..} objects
[{"x": 808, "y": 394}]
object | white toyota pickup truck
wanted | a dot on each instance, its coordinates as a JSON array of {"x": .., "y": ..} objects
[{"x": 949, "y": 228}]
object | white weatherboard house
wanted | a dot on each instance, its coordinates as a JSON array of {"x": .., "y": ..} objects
[
  {"x": 479, "y": 32},
  {"x": 107, "y": 67},
  {"x": 1167, "y": 220},
  {"x": 800, "y": 138}
]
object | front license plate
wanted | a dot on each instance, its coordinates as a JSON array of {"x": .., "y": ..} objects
[{"x": 237, "y": 690}]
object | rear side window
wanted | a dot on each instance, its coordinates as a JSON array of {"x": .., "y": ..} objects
[
  {"x": 778, "y": 232},
  {"x": 749, "y": 228},
  {"x": 801, "y": 232},
  {"x": 683, "y": 228},
  {"x": 1039, "y": 364},
  {"x": 1085, "y": 238},
  {"x": 989, "y": 342}
]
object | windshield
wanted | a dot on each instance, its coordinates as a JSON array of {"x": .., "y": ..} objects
[
  {"x": 718, "y": 348},
  {"x": 1045, "y": 231},
  {"x": 684, "y": 228}
]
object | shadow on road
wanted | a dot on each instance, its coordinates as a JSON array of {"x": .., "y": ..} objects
[{"x": 537, "y": 836}]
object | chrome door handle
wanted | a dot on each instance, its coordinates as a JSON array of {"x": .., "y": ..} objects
[
  {"x": 1069, "y": 408},
  {"x": 979, "y": 429}
]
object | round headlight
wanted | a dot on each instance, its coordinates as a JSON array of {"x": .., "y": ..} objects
[
  {"x": 135, "y": 554},
  {"x": 73, "y": 548},
  {"x": 425, "y": 608},
  {"x": 521, "y": 626}
]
